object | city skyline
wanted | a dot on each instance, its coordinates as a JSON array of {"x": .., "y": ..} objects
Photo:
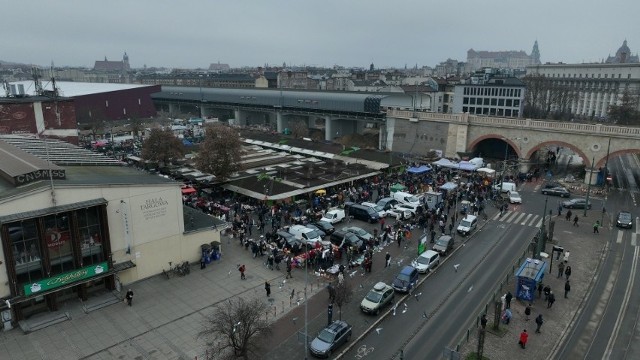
[{"x": 350, "y": 34}]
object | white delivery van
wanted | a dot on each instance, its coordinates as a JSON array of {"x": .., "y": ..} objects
[
  {"x": 505, "y": 187},
  {"x": 305, "y": 234},
  {"x": 406, "y": 198}
]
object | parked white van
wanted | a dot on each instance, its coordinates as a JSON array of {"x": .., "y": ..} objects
[
  {"x": 303, "y": 233},
  {"x": 406, "y": 198},
  {"x": 505, "y": 187}
]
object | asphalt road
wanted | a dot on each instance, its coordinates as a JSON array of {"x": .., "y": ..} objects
[
  {"x": 607, "y": 327},
  {"x": 437, "y": 313}
]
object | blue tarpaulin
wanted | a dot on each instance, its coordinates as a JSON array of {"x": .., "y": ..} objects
[{"x": 419, "y": 170}]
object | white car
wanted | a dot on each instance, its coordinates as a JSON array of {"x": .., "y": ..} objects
[
  {"x": 381, "y": 212},
  {"x": 426, "y": 262},
  {"x": 407, "y": 208},
  {"x": 514, "y": 197}
]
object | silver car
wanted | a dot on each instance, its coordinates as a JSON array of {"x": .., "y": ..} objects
[{"x": 330, "y": 338}]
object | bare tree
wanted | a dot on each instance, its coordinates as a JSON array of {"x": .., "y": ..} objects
[
  {"x": 220, "y": 152},
  {"x": 299, "y": 130},
  {"x": 536, "y": 101},
  {"x": 238, "y": 326},
  {"x": 162, "y": 147},
  {"x": 137, "y": 126},
  {"x": 626, "y": 113},
  {"x": 343, "y": 294}
]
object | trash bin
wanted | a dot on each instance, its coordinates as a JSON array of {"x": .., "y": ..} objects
[
  {"x": 215, "y": 250},
  {"x": 206, "y": 253}
]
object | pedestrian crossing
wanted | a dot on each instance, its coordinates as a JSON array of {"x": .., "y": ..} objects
[{"x": 520, "y": 218}]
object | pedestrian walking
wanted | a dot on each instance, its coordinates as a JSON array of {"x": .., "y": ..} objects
[
  {"x": 242, "y": 269},
  {"x": 483, "y": 321},
  {"x": 523, "y": 339},
  {"x": 381, "y": 224},
  {"x": 387, "y": 260},
  {"x": 568, "y": 216},
  {"x": 340, "y": 278},
  {"x": 547, "y": 291},
  {"x": 567, "y": 272},
  {"x": 329, "y": 314},
  {"x": 566, "y": 256},
  {"x": 507, "y": 299},
  {"x": 560, "y": 269},
  {"x": 539, "y": 289},
  {"x": 332, "y": 293},
  {"x": 289, "y": 276},
  {"x": 559, "y": 209},
  {"x": 527, "y": 312},
  {"x": 551, "y": 299},
  {"x": 567, "y": 288},
  {"x": 129, "y": 297},
  {"x": 539, "y": 322},
  {"x": 267, "y": 288},
  {"x": 575, "y": 221},
  {"x": 596, "y": 227}
]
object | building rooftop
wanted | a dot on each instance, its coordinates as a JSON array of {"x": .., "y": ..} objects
[{"x": 73, "y": 89}]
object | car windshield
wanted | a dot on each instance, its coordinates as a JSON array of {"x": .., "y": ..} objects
[
  {"x": 403, "y": 277},
  {"x": 358, "y": 231},
  {"x": 322, "y": 224},
  {"x": 312, "y": 234},
  {"x": 326, "y": 336},
  {"x": 441, "y": 242},
  {"x": 374, "y": 296},
  {"x": 465, "y": 223},
  {"x": 378, "y": 208},
  {"x": 625, "y": 216},
  {"x": 412, "y": 199},
  {"x": 421, "y": 260},
  {"x": 514, "y": 194}
]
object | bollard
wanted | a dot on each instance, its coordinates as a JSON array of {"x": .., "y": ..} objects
[
  {"x": 468, "y": 333},
  {"x": 275, "y": 311},
  {"x": 486, "y": 308}
]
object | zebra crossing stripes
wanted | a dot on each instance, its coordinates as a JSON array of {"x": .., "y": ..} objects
[{"x": 516, "y": 217}]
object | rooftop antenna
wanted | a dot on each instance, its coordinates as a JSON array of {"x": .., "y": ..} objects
[{"x": 35, "y": 73}]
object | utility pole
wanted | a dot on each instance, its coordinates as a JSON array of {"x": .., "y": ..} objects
[
  {"x": 541, "y": 237},
  {"x": 586, "y": 205}
]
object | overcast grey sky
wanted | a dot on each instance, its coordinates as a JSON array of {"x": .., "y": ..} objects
[{"x": 196, "y": 33}]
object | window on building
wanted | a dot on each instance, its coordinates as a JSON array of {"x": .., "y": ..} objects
[
  {"x": 516, "y": 102},
  {"x": 500, "y": 112},
  {"x": 106, "y": 103},
  {"x": 472, "y": 101},
  {"x": 27, "y": 255},
  {"x": 486, "y": 101},
  {"x": 628, "y": 76},
  {"x": 465, "y": 100},
  {"x": 507, "y": 112},
  {"x": 90, "y": 236},
  {"x": 606, "y": 75},
  {"x": 465, "y": 109},
  {"x": 494, "y": 102},
  {"x": 58, "y": 240},
  {"x": 515, "y": 113},
  {"x": 485, "y": 111},
  {"x": 500, "y": 102},
  {"x": 492, "y": 111},
  {"x": 509, "y": 102}
]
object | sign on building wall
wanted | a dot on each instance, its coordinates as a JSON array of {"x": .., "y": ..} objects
[
  {"x": 154, "y": 215},
  {"x": 65, "y": 278}
]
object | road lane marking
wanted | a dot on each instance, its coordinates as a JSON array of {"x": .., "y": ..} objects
[
  {"x": 524, "y": 222},
  {"x": 633, "y": 239},
  {"x": 623, "y": 308},
  {"x": 519, "y": 217},
  {"x": 619, "y": 239},
  {"x": 534, "y": 219}
]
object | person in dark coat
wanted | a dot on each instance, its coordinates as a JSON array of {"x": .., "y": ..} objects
[
  {"x": 507, "y": 299},
  {"x": 547, "y": 291},
  {"x": 567, "y": 272},
  {"x": 539, "y": 289},
  {"x": 539, "y": 322},
  {"x": 129, "y": 297},
  {"x": 550, "y": 300},
  {"x": 267, "y": 288},
  {"x": 567, "y": 288},
  {"x": 560, "y": 269},
  {"x": 527, "y": 312},
  {"x": 483, "y": 321}
]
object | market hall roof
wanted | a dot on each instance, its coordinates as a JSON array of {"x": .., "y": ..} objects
[
  {"x": 19, "y": 167},
  {"x": 56, "y": 151}
]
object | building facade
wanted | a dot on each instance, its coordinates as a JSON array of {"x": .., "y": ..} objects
[
  {"x": 597, "y": 86},
  {"x": 502, "y": 59},
  {"x": 486, "y": 93},
  {"x": 67, "y": 230}
]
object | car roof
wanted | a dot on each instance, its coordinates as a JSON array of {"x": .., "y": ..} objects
[
  {"x": 428, "y": 253},
  {"x": 380, "y": 286},
  {"x": 407, "y": 269},
  {"x": 469, "y": 217},
  {"x": 445, "y": 237}
]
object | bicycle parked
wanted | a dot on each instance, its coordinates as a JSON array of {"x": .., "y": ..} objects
[{"x": 179, "y": 269}]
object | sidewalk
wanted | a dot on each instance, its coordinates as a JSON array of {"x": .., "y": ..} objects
[
  {"x": 586, "y": 251},
  {"x": 166, "y": 315}
]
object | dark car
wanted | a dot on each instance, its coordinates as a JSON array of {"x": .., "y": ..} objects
[
  {"x": 443, "y": 245},
  {"x": 406, "y": 279},
  {"x": 324, "y": 226},
  {"x": 625, "y": 220},
  {"x": 556, "y": 191},
  {"x": 330, "y": 338},
  {"x": 551, "y": 185},
  {"x": 288, "y": 237},
  {"x": 317, "y": 229},
  {"x": 576, "y": 204},
  {"x": 349, "y": 238}
]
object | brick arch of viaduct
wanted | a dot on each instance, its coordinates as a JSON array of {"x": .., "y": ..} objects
[{"x": 516, "y": 147}]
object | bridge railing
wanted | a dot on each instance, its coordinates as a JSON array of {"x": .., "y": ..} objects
[{"x": 519, "y": 123}]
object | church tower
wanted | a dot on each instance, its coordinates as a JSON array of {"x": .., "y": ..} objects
[
  {"x": 535, "y": 54},
  {"x": 125, "y": 61}
]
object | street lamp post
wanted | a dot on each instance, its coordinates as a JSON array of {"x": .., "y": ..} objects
[
  {"x": 586, "y": 205},
  {"x": 541, "y": 237}
]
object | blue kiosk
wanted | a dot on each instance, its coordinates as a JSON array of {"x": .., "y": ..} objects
[{"x": 530, "y": 273}]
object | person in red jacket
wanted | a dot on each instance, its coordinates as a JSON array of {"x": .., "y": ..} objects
[{"x": 524, "y": 336}]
